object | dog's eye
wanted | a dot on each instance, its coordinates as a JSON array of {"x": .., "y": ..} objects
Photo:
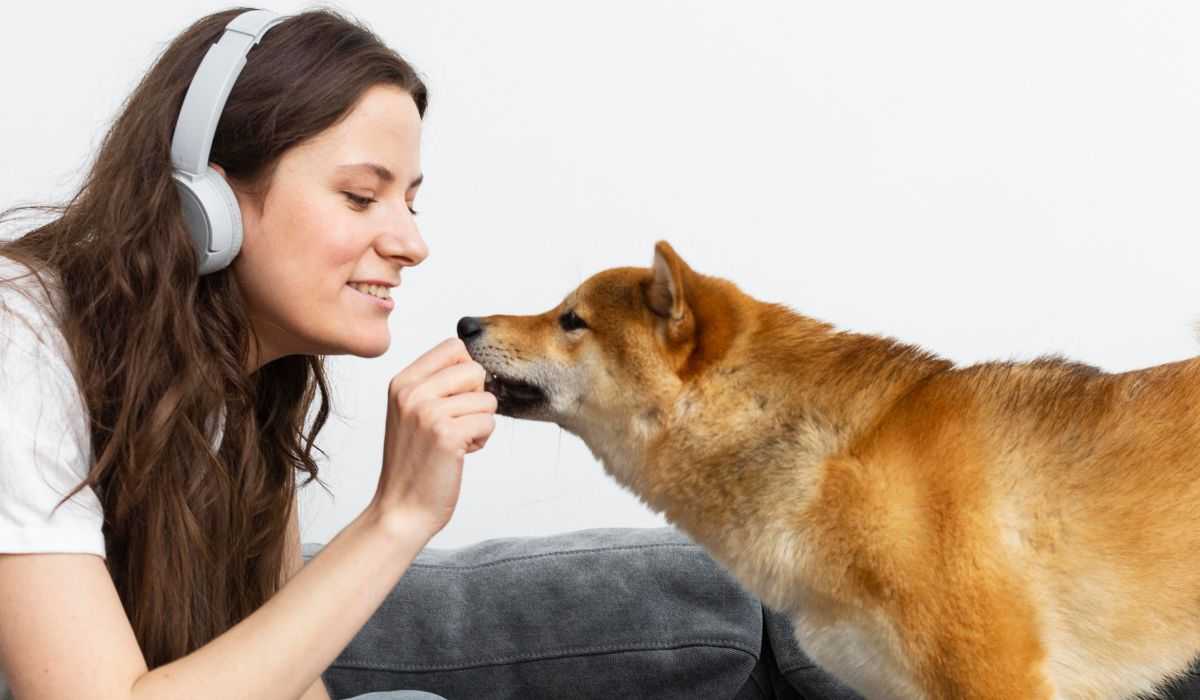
[{"x": 570, "y": 321}]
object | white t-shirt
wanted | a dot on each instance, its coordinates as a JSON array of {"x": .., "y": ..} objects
[{"x": 45, "y": 446}]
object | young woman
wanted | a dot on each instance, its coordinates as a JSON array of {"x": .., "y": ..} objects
[{"x": 172, "y": 405}]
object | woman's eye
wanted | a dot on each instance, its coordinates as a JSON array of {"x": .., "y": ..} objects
[
  {"x": 570, "y": 321},
  {"x": 363, "y": 202}
]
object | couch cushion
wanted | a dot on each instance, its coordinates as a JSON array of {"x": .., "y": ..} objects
[{"x": 604, "y": 613}]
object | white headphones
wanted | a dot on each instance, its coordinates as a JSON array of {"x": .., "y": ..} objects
[{"x": 210, "y": 210}]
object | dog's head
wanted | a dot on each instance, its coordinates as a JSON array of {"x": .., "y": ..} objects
[{"x": 615, "y": 352}]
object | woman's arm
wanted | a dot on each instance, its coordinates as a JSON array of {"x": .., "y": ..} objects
[
  {"x": 292, "y": 563},
  {"x": 280, "y": 650},
  {"x": 65, "y": 634}
]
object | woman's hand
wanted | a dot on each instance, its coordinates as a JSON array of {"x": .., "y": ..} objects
[{"x": 437, "y": 413}]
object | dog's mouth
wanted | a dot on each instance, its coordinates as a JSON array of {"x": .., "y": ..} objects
[{"x": 513, "y": 395}]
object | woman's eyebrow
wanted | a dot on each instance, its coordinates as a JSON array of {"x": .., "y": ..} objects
[{"x": 381, "y": 171}]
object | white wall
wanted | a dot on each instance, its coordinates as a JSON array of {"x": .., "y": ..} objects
[{"x": 988, "y": 180}]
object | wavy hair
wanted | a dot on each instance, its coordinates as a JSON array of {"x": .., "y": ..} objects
[{"x": 194, "y": 536}]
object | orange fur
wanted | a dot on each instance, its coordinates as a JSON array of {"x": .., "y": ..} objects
[{"x": 1004, "y": 530}]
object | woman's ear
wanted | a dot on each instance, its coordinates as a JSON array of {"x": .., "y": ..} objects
[{"x": 246, "y": 199}]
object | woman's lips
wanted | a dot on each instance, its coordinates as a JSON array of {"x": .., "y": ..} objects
[{"x": 387, "y": 304}]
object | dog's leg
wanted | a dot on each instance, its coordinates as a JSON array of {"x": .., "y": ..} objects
[
  {"x": 979, "y": 642},
  {"x": 1002, "y": 681}
]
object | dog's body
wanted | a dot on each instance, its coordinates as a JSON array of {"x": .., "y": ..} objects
[{"x": 996, "y": 531}]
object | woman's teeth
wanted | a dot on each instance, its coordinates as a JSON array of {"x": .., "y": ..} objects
[{"x": 372, "y": 289}]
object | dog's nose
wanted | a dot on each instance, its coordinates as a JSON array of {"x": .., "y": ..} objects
[{"x": 469, "y": 327}]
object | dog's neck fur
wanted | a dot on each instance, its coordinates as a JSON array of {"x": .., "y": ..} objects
[{"x": 782, "y": 407}]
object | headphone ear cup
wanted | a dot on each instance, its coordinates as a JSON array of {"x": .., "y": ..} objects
[
  {"x": 212, "y": 217},
  {"x": 231, "y": 244}
]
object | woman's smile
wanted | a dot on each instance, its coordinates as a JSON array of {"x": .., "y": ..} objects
[{"x": 375, "y": 296}]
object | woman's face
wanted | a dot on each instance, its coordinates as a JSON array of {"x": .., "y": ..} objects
[{"x": 315, "y": 236}]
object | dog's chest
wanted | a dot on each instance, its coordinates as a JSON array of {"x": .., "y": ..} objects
[{"x": 857, "y": 653}]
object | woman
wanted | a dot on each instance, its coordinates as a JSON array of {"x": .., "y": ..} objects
[{"x": 167, "y": 362}]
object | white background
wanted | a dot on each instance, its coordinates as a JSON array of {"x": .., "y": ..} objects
[{"x": 986, "y": 180}]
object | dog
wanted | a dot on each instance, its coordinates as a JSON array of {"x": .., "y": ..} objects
[{"x": 1001, "y": 530}]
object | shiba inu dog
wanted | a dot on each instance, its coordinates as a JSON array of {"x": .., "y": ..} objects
[{"x": 1001, "y": 530}]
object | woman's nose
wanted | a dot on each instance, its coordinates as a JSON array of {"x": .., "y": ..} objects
[{"x": 403, "y": 243}]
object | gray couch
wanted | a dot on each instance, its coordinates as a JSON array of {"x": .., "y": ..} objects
[{"x": 607, "y": 613}]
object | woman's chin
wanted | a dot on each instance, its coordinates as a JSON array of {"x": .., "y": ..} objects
[
  {"x": 360, "y": 344},
  {"x": 374, "y": 348}
]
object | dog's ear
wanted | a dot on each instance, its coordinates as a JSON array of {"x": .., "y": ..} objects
[
  {"x": 665, "y": 295},
  {"x": 665, "y": 292}
]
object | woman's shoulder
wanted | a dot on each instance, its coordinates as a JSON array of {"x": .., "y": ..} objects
[
  {"x": 26, "y": 306},
  {"x": 31, "y": 341},
  {"x": 18, "y": 278},
  {"x": 46, "y": 450}
]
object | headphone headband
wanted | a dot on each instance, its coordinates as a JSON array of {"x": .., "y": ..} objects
[
  {"x": 206, "y": 96},
  {"x": 209, "y": 206}
]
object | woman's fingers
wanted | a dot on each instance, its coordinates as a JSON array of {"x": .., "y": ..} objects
[{"x": 449, "y": 352}]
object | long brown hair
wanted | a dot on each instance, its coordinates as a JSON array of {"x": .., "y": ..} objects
[{"x": 194, "y": 539}]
